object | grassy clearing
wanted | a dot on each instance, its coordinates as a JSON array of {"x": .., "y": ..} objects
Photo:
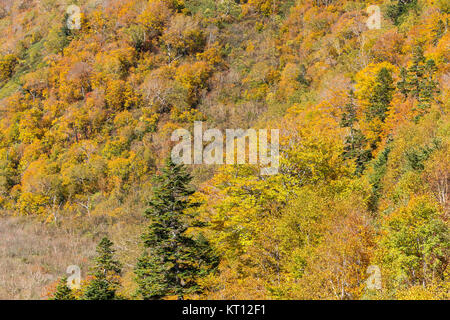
[{"x": 33, "y": 255}]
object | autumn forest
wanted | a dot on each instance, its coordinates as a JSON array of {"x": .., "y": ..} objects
[{"x": 92, "y": 90}]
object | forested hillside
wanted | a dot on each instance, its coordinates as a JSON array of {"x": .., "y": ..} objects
[{"x": 86, "y": 117}]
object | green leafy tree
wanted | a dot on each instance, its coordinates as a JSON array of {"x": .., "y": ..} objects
[
  {"x": 7, "y": 66},
  {"x": 106, "y": 274},
  {"x": 59, "y": 37},
  {"x": 172, "y": 260},
  {"x": 415, "y": 244}
]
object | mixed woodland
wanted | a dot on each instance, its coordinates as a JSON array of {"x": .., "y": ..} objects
[{"x": 86, "y": 117}]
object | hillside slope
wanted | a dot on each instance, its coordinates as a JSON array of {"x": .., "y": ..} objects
[{"x": 86, "y": 117}]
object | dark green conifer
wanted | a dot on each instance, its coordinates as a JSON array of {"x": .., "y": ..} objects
[
  {"x": 106, "y": 274},
  {"x": 382, "y": 96},
  {"x": 172, "y": 260},
  {"x": 402, "y": 85},
  {"x": 355, "y": 143},
  {"x": 438, "y": 31},
  {"x": 416, "y": 72},
  {"x": 421, "y": 81},
  {"x": 63, "y": 292},
  {"x": 428, "y": 86}
]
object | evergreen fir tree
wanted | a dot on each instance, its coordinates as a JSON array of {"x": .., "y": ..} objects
[
  {"x": 106, "y": 274},
  {"x": 428, "y": 86},
  {"x": 382, "y": 96},
  {"x": 421, "y": 81},
  {"x": 438, "y": 32},
  {"x": 172, "y": 260},
  {"x": 349, "y": 118},
  {"x": 301, "y": 78},
  {"x": 63, "y": 292},
  {"x": 356, "y": 148},
  {"x": 416, "y": 72},
  {"x": 396, "y": 10},
  {"x": 355, "y": 142},
  {"x": 402, "y": 85},
  {"x": 379, "y": 166}
]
